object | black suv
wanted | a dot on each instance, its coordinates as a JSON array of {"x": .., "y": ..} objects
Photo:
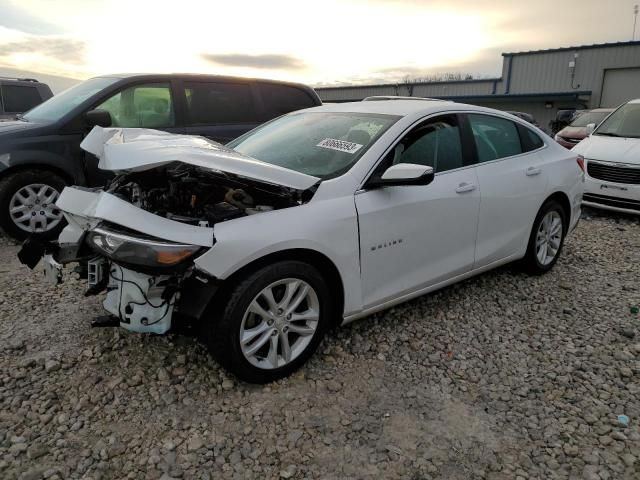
[
  {"x": 17, "y": 95},
  {"x": 40, "y": 151}
]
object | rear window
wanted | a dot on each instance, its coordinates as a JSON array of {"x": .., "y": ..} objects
[
  {"x": 19, "y": 99},
  {"x": 495, "y": 137},
  {"x": 281, "y": 99},
  {"x": 219, "y": 103}
]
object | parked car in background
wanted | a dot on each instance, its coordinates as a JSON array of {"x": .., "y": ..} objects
[
  {"x": 563, "y": 118},
  {"x": 40, "y": 152},
  {"x": 612, "y": 159},
  {"x": 526, "y": 117},
  {"x": 576, "y": 131},
  {"x": 18, "y": 95},
  {"x": 318, "y": 217}
]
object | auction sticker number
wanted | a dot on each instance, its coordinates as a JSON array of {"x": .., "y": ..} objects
[{"x": 339, "y": 145}]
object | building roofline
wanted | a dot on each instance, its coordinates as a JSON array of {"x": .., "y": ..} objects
[
  {"x": 579, "y": 47},
  {"x": 462, "y": 98},
  {"x": 439, "y": 82},
  {"x": 517, "y": 95}
]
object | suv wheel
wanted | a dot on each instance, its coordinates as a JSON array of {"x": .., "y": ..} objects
[
  {"x": 27, "y": 204},
  {"x": 547, "y": 238},
  {"x": 272, "y": 322}
]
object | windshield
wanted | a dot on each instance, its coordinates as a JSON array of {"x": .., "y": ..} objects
[
  {"x": 59, "y": 105},
  {"x": 322, "y": 144},
  {"x": 585, "y": 119},
  {"x": 624, "y": 122}
]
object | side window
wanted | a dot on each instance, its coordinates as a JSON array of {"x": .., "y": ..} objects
[
  {"x": 436, "y": 143},
  {"x": 143, "y": 106},
  {"x": 219, "y": 103},
  {"x": 530, "y": 139},
  {"x": 19, "y": 99},
  {"x": 495, "y": 137},
  {"x": 281, "y": 99}
]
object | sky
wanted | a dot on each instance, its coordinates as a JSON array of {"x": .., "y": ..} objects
[{"x": 326, "y": 42}]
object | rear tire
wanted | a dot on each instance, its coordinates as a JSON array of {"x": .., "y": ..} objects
[
  {"x": 260, "y": 336},
  {"x": 27, "y": 204},
  {"x": 546, "y": 239}
]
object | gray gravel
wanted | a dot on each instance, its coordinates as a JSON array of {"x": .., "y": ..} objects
[{"x": 504, "y": 376}]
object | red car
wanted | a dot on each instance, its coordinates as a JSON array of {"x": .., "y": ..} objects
[{"x": 576, "y": 131}]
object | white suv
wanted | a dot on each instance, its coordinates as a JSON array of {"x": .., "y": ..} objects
[
  {"x": 612, "y": 158},
  {"x": 317, "y": 218}
]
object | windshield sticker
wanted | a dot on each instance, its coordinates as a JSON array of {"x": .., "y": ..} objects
[{"x": 339, "y": 145}]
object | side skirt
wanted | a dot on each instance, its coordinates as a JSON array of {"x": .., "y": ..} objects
[{"x": 417, "y": 293}]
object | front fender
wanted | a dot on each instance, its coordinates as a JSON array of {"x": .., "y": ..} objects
[{"x": 328, "y": 227}]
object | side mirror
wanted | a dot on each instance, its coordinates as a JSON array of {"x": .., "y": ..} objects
[
  {"x": 590, "y": 128},
  {"x": 101, "y": 118},
  {"x": 403, "y": 174}
]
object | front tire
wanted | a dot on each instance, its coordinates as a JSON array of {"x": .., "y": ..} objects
[
  {"x": 27, "y": 204},
  {"x": 546, "y": 239},
  {"x": 272, "y": 322}
]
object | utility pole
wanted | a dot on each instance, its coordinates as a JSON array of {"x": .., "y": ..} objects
[{"x": 635, "y": 20}]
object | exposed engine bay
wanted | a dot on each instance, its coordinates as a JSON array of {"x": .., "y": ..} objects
[
  {"x": 138, "y": 240},
  {"x": 198, "y": 196}
]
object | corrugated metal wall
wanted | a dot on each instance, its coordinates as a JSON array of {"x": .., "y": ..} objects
[
  {"x": 531, "y": 72},
  {"x": 550, "y": 72}
]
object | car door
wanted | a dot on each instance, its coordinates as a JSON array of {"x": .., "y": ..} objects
[
  {"x": 220, "y": 111},
  {"x": 412, "y": 237},
  {"x": 143, "y": 105},
  {"x": 513, "y": 182}
]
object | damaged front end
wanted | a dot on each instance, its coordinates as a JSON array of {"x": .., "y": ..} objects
[{"x": 137, "y": 239}]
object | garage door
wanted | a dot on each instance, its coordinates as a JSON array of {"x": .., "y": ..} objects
[{"x": 620, "y": 85}]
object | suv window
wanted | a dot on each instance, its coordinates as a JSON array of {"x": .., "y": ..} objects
[
  {"x": 495, "y": 137},
  {"x": 436, "y": 143},
  {"x": 281, "y": 99},
  {"x": 20, "y": 98},
  {"x": 146, "y": 106},
  {"x": 219, "y": 103}
]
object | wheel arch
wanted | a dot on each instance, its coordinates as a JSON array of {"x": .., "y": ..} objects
[
  {"x": 563, "y": 199},
  {"x": 318, "y": 260}
]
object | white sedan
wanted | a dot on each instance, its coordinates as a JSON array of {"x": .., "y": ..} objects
[{"x": 315, "y": 219}]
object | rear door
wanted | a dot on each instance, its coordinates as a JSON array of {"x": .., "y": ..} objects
[
  {"x": 220, "y": 110},
  {"x": 513, "y": 181}
]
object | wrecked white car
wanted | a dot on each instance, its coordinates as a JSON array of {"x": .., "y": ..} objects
[{"x": 316, "y": 218}]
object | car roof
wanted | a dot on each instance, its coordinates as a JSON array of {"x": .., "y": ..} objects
[
  {"x": 600, "y": 110},
  {"x": 400, "y": 107},
  {"x": 200, "y": 76}
]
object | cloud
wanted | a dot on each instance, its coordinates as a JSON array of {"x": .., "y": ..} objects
[
  {"x": 62, "y": 49},
  {"x": 14, "y": 17},
  {"x": 266, "y": 61}
]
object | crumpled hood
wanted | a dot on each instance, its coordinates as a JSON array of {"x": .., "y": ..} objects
[
  {"x": 139, "y": 149},
  {"x": 610, "y": 149}
]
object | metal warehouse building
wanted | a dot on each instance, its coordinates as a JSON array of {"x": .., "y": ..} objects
[{"x": 539, "y": 82}]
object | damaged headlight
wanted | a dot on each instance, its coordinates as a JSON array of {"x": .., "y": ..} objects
[{"x": 127, "y": 249}]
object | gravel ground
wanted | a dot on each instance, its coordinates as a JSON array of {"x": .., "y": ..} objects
[{"x": 504, "y": 376}]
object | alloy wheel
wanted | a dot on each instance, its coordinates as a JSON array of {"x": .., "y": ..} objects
[
  {"x": 33, "y": 208},
  {"x": 549, "y": 237},
  {"x": 279, "y": 323}
]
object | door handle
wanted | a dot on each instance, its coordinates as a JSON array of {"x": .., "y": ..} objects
[
  {"x": 465, "y": 187},
  {"x": 531, "y": 171}
]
